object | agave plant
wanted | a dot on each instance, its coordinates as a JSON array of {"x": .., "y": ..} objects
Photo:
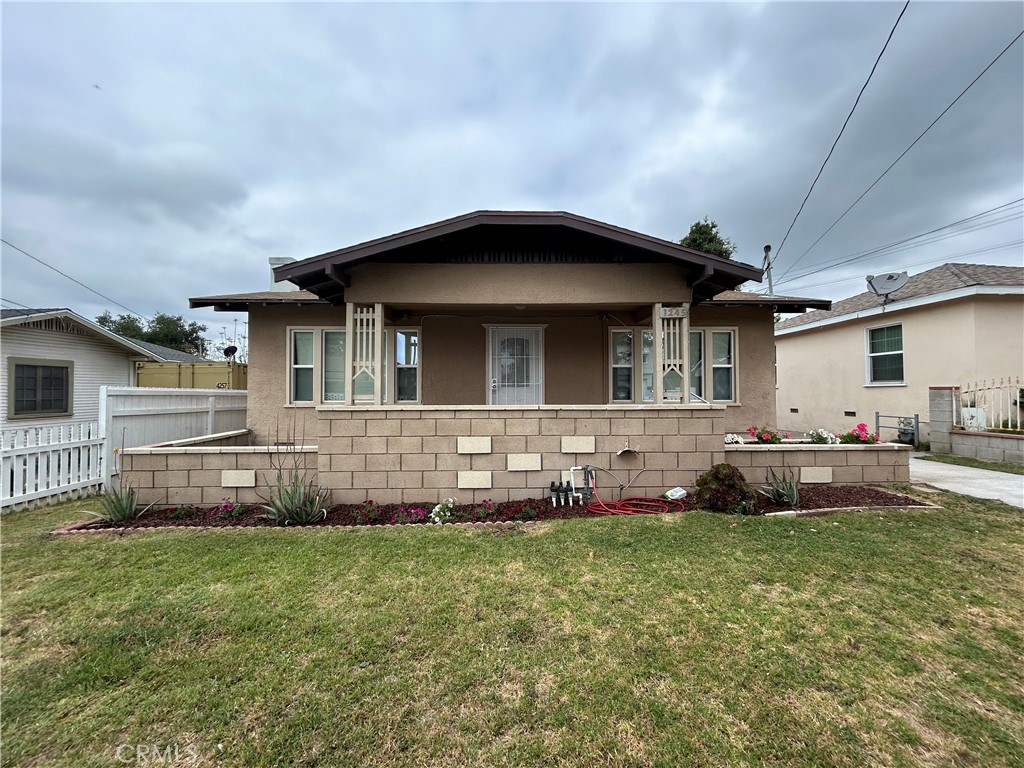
[
  {"x": 296, "y": 500},
  {"x": 120, "y": 505},
  {"x": 782, "y": 489}
]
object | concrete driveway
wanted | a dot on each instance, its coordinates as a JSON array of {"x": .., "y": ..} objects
[{"x": 980, "y": 483}]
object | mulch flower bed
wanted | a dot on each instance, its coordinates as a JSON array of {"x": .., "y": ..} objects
[{"x": 230, "y": 515}]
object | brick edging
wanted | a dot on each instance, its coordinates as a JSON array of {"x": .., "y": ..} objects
[{"x": 80, "y": 527}]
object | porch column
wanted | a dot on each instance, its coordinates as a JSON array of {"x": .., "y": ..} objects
[
  {"x": 659, "y": 355},
  {"x": 378, "y": 352},
  {"x": 350, "y": 340}
]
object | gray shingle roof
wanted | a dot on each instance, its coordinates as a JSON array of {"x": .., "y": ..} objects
[
  {"x": 168, "y": 354},
  {"x": 6, "y": 313},
  {"x": 948, "y": 277}
]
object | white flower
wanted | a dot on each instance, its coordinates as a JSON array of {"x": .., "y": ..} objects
[{"x": 731, "y": 439}]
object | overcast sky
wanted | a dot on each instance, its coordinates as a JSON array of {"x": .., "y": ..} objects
[{"x": 158, "y": 152}]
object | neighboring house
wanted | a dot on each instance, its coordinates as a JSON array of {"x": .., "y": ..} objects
[
  {"x": 948, "y": 326},
  {"x": 54, "y": 363},
  {"x": 512, "y": 325},
  {"x": 168, "y": 354}
]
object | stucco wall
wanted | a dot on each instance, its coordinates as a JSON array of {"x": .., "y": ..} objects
[
  {"x": 756, "y": 365},
  {"x": 533, "y": 284},
  {"x": 822, "y": 371}
]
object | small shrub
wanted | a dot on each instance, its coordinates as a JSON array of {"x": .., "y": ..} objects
[
  {"x": 520, "y": 510},
  {"x": 823, "y": 436},
  {"x": 765, "y": 435},
  {"x": 723, "y": 489},
  {"x": 182, "y": 512},
  {"x": 860, "y": 435},
  {"x": 409, "y": 515},
  {"x": 296, "y": 501},
  {"x": 782, "y": 490},
  {"x": 369, "y": 512},
  {"x": 227, "y": 508},
  {"x": 120, "y": 506},
  {"x": 482, "y": 511},
  {"x": 442, "y": 513}
]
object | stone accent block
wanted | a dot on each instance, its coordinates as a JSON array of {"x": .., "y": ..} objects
[
  {"x": 579, "y": 444},
  {"x": 523, "y": 462},
  {"x": 474, "y": 479},
  {"x": 474, "y": 445},
  {"x": 810, "y": 475}
]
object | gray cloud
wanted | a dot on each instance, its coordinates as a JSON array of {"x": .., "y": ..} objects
[{"x": 222, "y": 134}]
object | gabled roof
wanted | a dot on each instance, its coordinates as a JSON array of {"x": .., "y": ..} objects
[
  {"x": 778, "y": 303},
  {"x": 169, "y": 354},
  {"x": 937, "y": 282},
  {"x": 515, "y": 237},
  {"x": 12, "y": 318}
]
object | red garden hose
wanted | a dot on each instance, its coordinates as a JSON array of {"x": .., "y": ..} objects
[{"x": 637, "y": 505}]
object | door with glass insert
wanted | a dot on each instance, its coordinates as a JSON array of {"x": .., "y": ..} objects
[{"x": 515, "y": 370}]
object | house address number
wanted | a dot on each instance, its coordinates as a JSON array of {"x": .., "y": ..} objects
[{"x": 673, "y": 311}]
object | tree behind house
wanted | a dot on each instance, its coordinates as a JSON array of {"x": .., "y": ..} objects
[
  {"x": 704, "y": 236},
  {"x": 166, "y": 330}
]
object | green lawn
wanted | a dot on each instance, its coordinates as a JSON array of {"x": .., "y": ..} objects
[
  {"x": 861, "y": 638},
  {"x": 967, "y": 461}
]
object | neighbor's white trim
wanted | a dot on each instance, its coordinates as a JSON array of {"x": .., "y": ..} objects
[{"x": 898, "y": 306}]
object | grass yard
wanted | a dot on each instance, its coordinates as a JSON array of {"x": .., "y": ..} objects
[
  {"x": 856, "y": 639},
  {"x": 967, "y": 461}
]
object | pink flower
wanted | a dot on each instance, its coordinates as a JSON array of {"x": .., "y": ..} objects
[
  {"x": 789, "y": 435},
  {"x": 752, "y": 431},
  {"x": 765, "y": 436}
]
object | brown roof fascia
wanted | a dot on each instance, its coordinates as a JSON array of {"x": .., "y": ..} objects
[{"x": 363, "y": 251}]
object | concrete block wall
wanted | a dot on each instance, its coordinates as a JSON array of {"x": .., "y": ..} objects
[
  {"x": 472, "y": 454},
  {"x": 203, "y": 476},
  {"x": 814, "y": 463},
  {"x": 940, "y": 412},
  {"x": 987, "y": 446}
]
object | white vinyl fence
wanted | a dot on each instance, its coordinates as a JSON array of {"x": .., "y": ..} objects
[
  {"x": 995, "y": 404},
  {"x": 45, "y": 464},
  {"x": 51, "y": 463}
]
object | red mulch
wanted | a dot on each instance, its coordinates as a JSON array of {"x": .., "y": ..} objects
[{"x": 811, "y": 498}]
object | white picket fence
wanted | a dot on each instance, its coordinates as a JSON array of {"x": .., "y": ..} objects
[
  {"x": 51, "y": 463},
  {"x": 998, "y": 403},
  {"x": 47, "y": 464}
]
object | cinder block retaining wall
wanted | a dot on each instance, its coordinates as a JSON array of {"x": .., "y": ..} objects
[
  {"x": 205, "y": 475},
  {"x": 990, "y": 446},
  {"x": 814, "y": 463},
  {"x": 505, "y": 454}
]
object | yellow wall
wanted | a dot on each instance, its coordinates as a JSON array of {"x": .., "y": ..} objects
[
  {"x": 212, "y": 375},
  {"x": 822, "y": 371}
]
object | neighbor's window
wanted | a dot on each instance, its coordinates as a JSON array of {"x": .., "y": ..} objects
[
  {"x": 41, "y": 387},
  {"x": 885, "y": 354},
  {"x": 302, "y": 367}
]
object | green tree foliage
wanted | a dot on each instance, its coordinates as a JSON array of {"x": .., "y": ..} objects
[
  {"x": 166, "y": 330},
  {"x": 704, "y": 236}
]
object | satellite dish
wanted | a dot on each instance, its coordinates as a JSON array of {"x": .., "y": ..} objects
[
  {"x": 883, "y": 285},
  {"x": 230, "y": 351}
]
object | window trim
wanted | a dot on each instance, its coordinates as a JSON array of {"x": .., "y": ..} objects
[
  {"x": 391, "y": 362},
  {"x": 868, "y": 354},
  {"x": 13, "y": 362},
  {"x": 707, "y": 378},
  {"x": 636, "y": 366}
]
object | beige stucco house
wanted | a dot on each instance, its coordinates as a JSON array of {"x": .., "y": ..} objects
[
  {"x": 951, "y": 325},
  {"x": 493, "y": 350}
]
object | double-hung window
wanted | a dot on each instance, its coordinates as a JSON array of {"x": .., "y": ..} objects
[
  {"x": 317, "y": 358},
  {"x": 885, "y": 354},
  {"x": 713, "y": 366},
  {"x": 632, "y": 365},
  {"x": 39, "y": 387}
]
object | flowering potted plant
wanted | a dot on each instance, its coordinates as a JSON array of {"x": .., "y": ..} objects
[{"x": 859, "y": 434}]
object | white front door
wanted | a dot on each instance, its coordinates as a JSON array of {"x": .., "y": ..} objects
[{"x": 515, "y": 372}]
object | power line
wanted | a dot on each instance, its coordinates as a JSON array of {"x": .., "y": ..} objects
[
  {"x": 16, "y": 303},
  {"x": 941, "y": 259},
  {"x": 904, "y": 152},
  {"x": 845, "y": 123},
  {"x": 69, "y": 277},
  {"x": 893, "y": 247}
]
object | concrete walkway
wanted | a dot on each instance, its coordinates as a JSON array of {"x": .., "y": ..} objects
[{"x": 980, "y": 483}]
